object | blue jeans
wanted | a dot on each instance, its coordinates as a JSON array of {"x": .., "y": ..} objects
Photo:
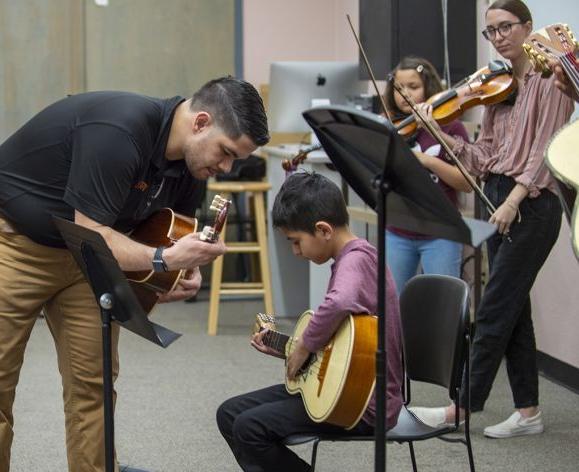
[{"x": 437, "y": 256}]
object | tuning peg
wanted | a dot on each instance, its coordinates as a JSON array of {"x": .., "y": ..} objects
[
  {"x": 208, "y": 234},
  {"x": 218, "y": 203}
]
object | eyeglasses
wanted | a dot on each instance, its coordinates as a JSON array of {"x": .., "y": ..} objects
[{"x": 504, "y": 30}]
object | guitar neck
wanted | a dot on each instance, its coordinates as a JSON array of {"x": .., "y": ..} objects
[
  {"x": 276, "y": 340},
  {"x": 571, "y": 68}
]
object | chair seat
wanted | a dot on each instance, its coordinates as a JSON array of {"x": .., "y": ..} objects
[{"x": 408, "y": 428}]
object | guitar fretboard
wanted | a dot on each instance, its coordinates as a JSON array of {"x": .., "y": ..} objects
[
  {"x": 571, "y": 67},
  {"x": 276, "y": 340}
]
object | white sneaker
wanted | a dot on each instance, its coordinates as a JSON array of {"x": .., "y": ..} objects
[
  {"x": 434, "y": 417},
  {"x": 516, "y": 425}
]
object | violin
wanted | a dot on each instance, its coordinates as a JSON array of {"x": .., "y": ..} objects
[
  {"x": 291, "y": 165},
  {"x": 488, "y": 204},
  {"x": 492, "y": 84}
]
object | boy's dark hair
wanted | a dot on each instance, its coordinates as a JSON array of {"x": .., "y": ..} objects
[
  {"x": 235, "y": 106},
  {"x": 428, "y": 75},
  {"x": 306, "y": 198}
]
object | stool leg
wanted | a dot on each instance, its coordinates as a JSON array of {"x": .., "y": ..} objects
[
  {"x": 263, "y": 253},
  {"x": 215, "y": 290}
]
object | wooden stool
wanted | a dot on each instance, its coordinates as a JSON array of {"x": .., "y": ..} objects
[{"x": 218, "y": 288}]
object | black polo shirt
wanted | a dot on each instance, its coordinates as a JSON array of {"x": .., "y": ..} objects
[{"x": 102, "y": 153}]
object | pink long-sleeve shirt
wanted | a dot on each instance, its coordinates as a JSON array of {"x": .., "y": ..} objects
[
  {"x": 513, "y": 139},
  {"x": 353, "y": 288}
]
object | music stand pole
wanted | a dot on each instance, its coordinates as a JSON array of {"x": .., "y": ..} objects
[
  {"x": 106, "y": 304},
  {"x": 383, "y": 188}
]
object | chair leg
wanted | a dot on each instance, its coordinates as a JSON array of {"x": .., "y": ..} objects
[
  {"x": 314, "y": 454},
  {"x": 469, "y": 449},
  {"x": 412, "y": 456},
  {"x": 215, "y": 292},
  {"x": 263, "y": 254}
]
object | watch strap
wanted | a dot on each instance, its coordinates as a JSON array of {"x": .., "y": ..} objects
[{"x": 158, "y": 261}]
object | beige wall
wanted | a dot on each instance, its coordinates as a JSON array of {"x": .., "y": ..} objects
[
  {"x": 296, "y": 30},
  {"x": 35, "y": 69},
  {"x": 160, "y": 48},
  {"x": 51, "y": 48},
  {"x": 555, "y": 300}
]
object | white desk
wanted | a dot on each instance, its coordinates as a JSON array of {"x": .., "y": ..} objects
[{"x": 297, "y": 284}]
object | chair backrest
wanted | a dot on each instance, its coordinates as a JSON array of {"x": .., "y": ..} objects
[{"x": 435, "y": 317}]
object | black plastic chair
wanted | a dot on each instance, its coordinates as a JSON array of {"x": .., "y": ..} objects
[{"x": 436, "y": 333}]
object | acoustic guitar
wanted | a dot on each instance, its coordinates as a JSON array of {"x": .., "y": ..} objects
[
  {"x": 562, "y": 158},
  {"x": 558, "y": 42},
  {"x": 337, "y": 382},
  {"x": 164, "y": 228},
  {"x": 555, "y": 42}
]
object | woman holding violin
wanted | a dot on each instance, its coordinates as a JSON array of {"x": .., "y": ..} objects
[
  {"x": 406, "y": 250},
  {"x": 508, "y": 156}
]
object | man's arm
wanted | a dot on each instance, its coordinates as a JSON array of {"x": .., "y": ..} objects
[{"x": 187, "y": 253}]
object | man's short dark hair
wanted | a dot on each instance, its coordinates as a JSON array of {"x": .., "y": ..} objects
[
  {"x": 235, "y": 106},
  {"x": 306, "y": 198}
]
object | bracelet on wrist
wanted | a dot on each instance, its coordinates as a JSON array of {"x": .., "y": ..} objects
[{"x": 512, "y": 205}]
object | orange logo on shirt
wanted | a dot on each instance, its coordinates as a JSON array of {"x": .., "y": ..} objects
[{"x": 142, "y": 186}]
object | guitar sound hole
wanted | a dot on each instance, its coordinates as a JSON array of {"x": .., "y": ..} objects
[{"x": 312, "y": 358}]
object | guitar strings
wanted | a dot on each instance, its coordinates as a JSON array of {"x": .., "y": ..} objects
[
  {"x": 277, "y": 338},
  {"x": 314, "y": 367},
  {"x": 570, "y": 66}
]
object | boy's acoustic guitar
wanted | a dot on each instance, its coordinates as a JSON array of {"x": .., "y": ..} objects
[
  {"x": 557, "y": 42},
  {"x": 164, "y": 228},
  {"x": 337, "y": 382}
]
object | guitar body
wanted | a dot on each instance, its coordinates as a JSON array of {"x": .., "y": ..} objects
[
  {"x": 337, "y": 383},
  {"x": 561, "y": 158},
  {"x": 162, "y": 228}
]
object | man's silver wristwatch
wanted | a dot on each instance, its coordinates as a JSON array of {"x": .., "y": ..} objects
[{"x": 158, "y": 262}]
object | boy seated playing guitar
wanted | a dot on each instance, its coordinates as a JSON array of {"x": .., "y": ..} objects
[{"x": 311, "y": 212}]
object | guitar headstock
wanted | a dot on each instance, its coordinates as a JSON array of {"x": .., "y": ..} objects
[
  {"x": 552, "y": 42},
  {"x": 220, "y": 205},
  {"x": 264, "y": 321}
]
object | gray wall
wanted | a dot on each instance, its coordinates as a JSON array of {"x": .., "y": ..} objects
[{"x": 51, "y": 48}]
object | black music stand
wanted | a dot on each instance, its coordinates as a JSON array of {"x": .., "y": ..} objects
[
  {"x": 383, "y": 171},
  {"x": 117, "y": 303}
]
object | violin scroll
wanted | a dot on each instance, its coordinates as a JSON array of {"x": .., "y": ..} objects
[{"x": 291, "y": 165}]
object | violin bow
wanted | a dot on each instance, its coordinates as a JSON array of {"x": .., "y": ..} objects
[{"x": 369, "y": 69}]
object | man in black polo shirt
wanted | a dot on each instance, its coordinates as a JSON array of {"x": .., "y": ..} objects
[{"x": 108, "y": 160}]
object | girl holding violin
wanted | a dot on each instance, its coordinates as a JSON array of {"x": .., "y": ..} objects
[
  {"x": 508, "y": 156},
  {"x": 406, "y": 250}
]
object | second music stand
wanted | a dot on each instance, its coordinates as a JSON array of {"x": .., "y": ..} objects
[{"x": 117, "y": 303}]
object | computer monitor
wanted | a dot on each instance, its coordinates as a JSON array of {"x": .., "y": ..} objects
[{"x": 294, "y": 84}]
